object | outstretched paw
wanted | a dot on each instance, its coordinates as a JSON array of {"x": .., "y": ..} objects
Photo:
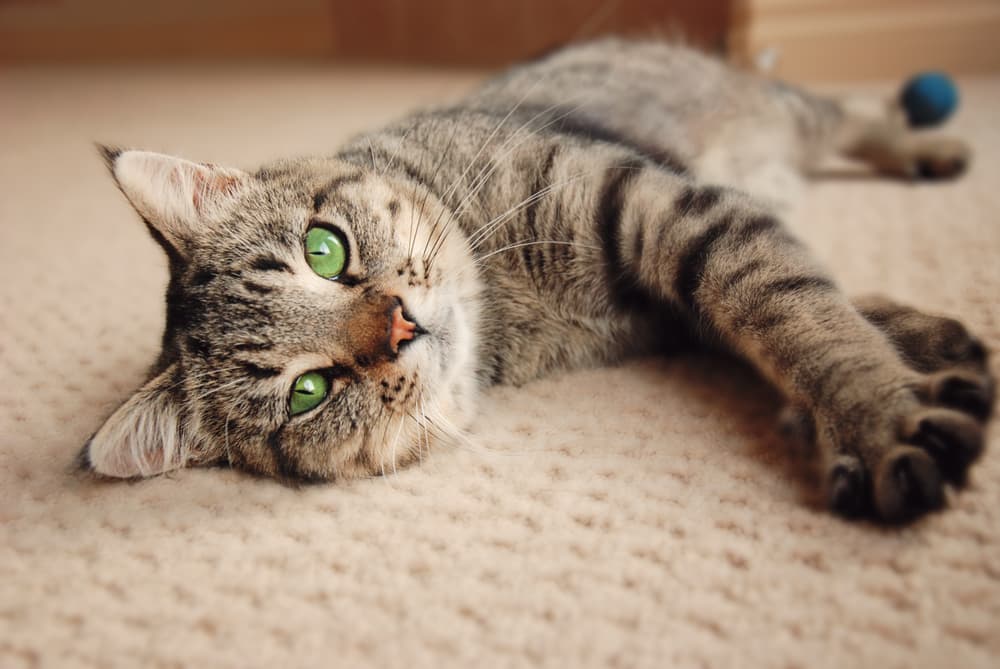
[
  {"x": 892, "y": 458},
  {"x": 934, "y": 436}
]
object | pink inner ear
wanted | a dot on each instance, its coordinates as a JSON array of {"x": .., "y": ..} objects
[
  {"x": 209, "y": 181},
  {"x": 122, "y": 465}
]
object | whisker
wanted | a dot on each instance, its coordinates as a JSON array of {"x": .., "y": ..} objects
[
  {"x": 437, "y": 170},
  {"x": 371, "y": 152},
  {"x": 481, "y": 179},
  {"x": 487, "y": 230},
  {"x": 461, "y": 177},
  {"x": 426, "y": 436},
  {"x": 381, "y": 443},
  {"x": 222, "y": 387},
  {"x": 201, "y": 375},
  {"x": 422, "y": 435},
  {"x": 225, "y": 442},
  {"x": 492, "y": 166},
  {"x": 395, "y": 153},
  {"x": 393, "y": 450},
  {"x": 452, "y": 435},
  {"x": 490, "y": 228},
  {"x": 518, "y": 245}
]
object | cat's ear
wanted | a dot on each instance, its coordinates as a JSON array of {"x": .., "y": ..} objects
[
  {"x": 174, "y": 196},
  {"x": 142, "y": 438}
]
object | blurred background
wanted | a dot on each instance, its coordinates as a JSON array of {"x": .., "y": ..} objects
[{"x": 814, "y": 40}]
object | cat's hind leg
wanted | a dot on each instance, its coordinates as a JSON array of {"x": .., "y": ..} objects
[
  {"x": 867, "y": 130},
  {"x": 878, "y": 136}
]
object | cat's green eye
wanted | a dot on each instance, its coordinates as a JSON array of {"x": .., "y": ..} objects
[
  {"x": 307, "y": 392},
  {"x": 326, "y": 252}
]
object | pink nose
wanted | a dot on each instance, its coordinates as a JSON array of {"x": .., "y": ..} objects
[{"x": 401, "y": 330}]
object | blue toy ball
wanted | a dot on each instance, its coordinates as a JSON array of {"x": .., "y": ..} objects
[{"x": 928, "y": 99}]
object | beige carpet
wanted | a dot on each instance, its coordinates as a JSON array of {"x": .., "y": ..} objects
[{"x": 639, "y": 516}]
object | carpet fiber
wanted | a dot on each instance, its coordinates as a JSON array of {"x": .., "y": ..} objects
[{"x": 644, "y": 515}]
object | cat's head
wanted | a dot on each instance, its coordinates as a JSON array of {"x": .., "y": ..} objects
[{"x": 319, "y": 326}]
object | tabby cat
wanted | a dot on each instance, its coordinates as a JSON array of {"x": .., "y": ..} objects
[{"x": 332, "y": 317}]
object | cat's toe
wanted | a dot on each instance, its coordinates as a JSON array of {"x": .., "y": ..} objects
[
  {"x": 968, "y": 391},
  {"x": 954, "y": 440},
  {"x": 937, "y": 169},
  {"x": 939, "y": 158},
  {"x": 848, "y": 487},
  {"x": 907, "y": 485}
]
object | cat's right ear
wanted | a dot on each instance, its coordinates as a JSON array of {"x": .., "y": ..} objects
[{"x": 175, "y": 197}]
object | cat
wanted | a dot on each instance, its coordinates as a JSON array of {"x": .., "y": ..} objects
[{"x": 330, "y": 317}]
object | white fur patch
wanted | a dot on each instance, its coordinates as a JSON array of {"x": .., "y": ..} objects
[{"x": 142, "y": 438}]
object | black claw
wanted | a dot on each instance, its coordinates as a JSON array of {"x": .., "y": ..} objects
[
  {"x": 925, "y": 170},
  {"x": 847, "y": 491},
  {"x": 918, "y": 489},
  {"x": 909, "y": 486},
  {"x": 933, "y": 170},
  {"x": 969, "y": 396},
  {"x": 977, "y": 351},
  {"x": 949, "y": 456}
]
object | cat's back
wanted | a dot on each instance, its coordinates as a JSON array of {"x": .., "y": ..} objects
[
  {"x": 723, "y": 124},
  {"x": 650, "y": 90}
]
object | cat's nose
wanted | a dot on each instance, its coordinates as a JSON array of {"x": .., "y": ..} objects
[{"x": 402, "y": 329}]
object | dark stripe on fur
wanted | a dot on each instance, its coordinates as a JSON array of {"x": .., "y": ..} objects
[
  {"x": 258, "y": 372},
  {"x": 610, "y": 205},
  {"x": 755, "y": 317},
  {"x": 695, "y": 201},
  {"x": 693, "y": 259},
  {"x": 577, "y": 125},
  {"x": 252, "y": 346},
  {"x": 740, "y": 273},
  {"x": 286, "y": 471},
  {"x": 638, "y": 244},
  {"x": 542, "y": 179},
  {"x": 394, "y": 164},
  {"x": 337, "y": 183},
  {"x": 797, "y": 284},
  {"x": 255, "y": 287},
  {"x": 198, "y": 346},
  {"x": 269, "y": 264},
  {"x": 253, "y": 306},
  {"x": 203, "y": 276},
  {"x": 319, "y": 199},
  {"x": 755, "y": 227}
]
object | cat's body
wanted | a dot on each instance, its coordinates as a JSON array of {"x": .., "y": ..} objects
[{"x": 573, "y": 211}]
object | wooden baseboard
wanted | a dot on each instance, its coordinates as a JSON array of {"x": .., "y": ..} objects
[{"x": 837, "y": 40}]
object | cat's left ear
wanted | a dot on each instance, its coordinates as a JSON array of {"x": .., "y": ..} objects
[
  {"x": 143, "y": 437},
  {"x": 176, "y": 197}
]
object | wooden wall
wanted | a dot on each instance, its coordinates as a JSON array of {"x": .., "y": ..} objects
[
  {"x": 454, "y": 32},
  {"x": 805, "y": 40}
]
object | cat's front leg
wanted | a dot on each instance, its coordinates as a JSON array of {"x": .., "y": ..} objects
[{"x": 889, "y": 435}]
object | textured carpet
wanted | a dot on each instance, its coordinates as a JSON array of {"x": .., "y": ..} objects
[{"x": 637, "y": 516}]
